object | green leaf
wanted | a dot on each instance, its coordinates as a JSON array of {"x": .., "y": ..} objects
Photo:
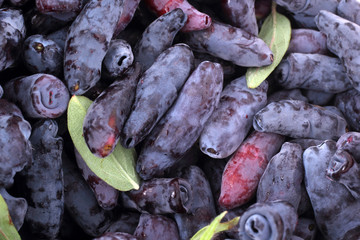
[
  {"x": 117, "y": 169},
  {"x": 7, "y": 228},
  {"x": 208, "y": 232},
  {"x": 276, "y": 33}
]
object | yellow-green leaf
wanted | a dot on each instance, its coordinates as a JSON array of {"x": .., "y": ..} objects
[
  {"x": 276, "y": 33},
  {"x": 7, "y": 228},
  {"x": 117, "y": 169},
  {"x": 208, "y": 232}
]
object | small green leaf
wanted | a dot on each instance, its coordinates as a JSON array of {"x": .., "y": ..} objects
[
  {"x": 117, "y": 169},
  {"x": 208, "y": 232},
  {"x": 276, "y": 33},
  {"x": 7, "y": 228}
]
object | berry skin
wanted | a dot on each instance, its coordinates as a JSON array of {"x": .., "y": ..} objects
[
  {"x": 15, "y": 147},
  {"x": 12, "y": 34},
  {"x": 286, "y": 94},
  {"x": 213, "y": 169},
  {"x": 272, "y": 220},
  {"x": 282, "y": 177},
  {"x": 40, "y": 23},
  {"x": 305, "y": 40},
  {"x": 231, "y": 44},
  {"x": 349, "y": 104},
  {"x": 59, "y": 37},
  {"x": 161, "y": 196},
  {"x": 344, "y": 169},
  {"x": 333, "y": 204},
  {"x": 202, "y": 210},
  {"x": 156, "y": 227},
  {"x": 342, "y": 40},
  {"x": 349, "y": 9},
  {"x": 44, "y": 181},
  {"x": 106, "y": 195},
  {"x": 306, "y": 228},
  {"x": 39, "y": 95},
  {"x": 308, "y": 7},
  {"x": 126, "y": 222},
  {"x": 129, "y": 8},
  {"x": 241, "y": 14},
  {"x": 245, "y": 168},
  {"x": 17, "y": 208},
  {"x": 87, "y": 42},
  {"x": 116, "y": 236},
  {"x": 183, "y": 123},
  {"x": 42, "y": 55},
  {"x": 306, "y": 142},
  {"x": 45, "y": 6},
  {"x": 81, "y": 203},
  {"x": 350, "y": 142},
  {"x": 158, "y": 37},
  {"x": 298, "y": 119},
  {"x": 195, "y": 20},
  {"x": 237, "y": 107},
  {"x": 156, "y": 91},
  {"x": 118, "y": 58},
  {"x": 318, "y": 97},
  {"x": 107, "y": 114},
  {"x": 312, "y": 71}
]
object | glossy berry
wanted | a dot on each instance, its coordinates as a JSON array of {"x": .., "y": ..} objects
[
  {"x": 106, "y": 116},
  {"x": 126, "y": 222},
  {"x": 87, "y": 42},
  {"x": 81, "y": 203},
  {"x": 202, "y": 210},
  {"x": 162, "y": 196},
  {"x": 156, "y": 227},
  {"x": 106, "y": 195}
]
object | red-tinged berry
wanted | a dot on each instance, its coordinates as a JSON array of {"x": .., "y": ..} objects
[
  {"x": 243, "y": 171},
  {"x": 107, "y": 114},
  {"x": 196, "y": 20}
]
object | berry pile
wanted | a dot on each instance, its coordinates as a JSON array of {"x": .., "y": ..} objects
[{"x": 168, "y": 79}]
